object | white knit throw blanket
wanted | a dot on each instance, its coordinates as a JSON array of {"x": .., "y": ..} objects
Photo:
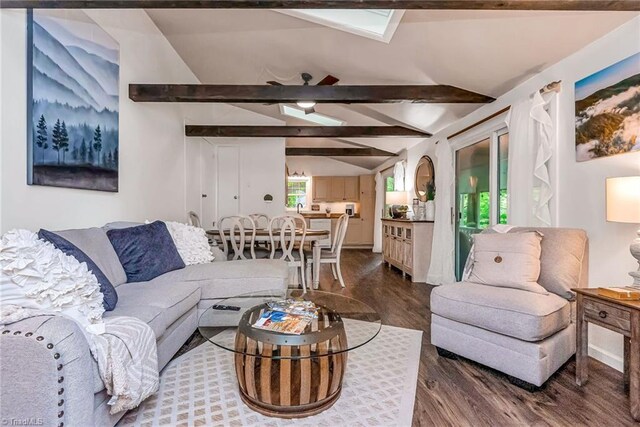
[
  {"x": 126, "y": 354},
  {"x": 127, "y": 361}
]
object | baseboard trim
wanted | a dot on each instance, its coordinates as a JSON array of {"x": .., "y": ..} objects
[{"x": 606, "y": 357}]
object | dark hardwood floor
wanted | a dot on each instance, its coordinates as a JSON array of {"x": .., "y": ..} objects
[{"x": 464, "y": 393}]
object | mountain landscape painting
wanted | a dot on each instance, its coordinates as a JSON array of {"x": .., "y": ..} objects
[
  {"x": 608, "y": 111},
  {"x": 73, "y": 111}
]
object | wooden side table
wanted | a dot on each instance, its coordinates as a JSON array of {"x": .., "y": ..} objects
[{"x": 618, "y": 316}]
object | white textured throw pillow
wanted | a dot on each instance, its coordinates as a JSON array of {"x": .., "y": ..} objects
[
  {"x": 37, "y": 276},
  {"x": 510, "y": 260},
  {"x": 192, "y": 243}
]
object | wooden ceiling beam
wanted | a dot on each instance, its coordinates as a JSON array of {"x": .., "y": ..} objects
[
  {"x": 337, "y": 152},
  {"x": 598, "y": 5},
  {"x": 360, "y": 94},
  {"x": 303, "y": 131}
]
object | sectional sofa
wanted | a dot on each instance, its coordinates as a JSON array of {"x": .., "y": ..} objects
[{"x": 48, "y": 376}]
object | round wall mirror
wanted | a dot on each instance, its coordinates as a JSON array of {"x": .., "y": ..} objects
[{"x": 425, "y": 181}]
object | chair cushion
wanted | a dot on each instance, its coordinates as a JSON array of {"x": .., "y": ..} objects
[
  {"x": 110, "y": 296},
  {"x": 516, "y": 313},
  {"x": 145, "y": 251},
  {"x": 95, "y": 243},
  {"x": 232, "y": 278},
  {"x": 161, "y": 301},
  {"x": 564, "y": 259},
  {"x": 507, "y": 260}
]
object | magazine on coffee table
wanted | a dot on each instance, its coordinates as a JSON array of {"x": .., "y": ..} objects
[
  {"x": 291, "y": 306},
  {"x": 286, "y": 323}
]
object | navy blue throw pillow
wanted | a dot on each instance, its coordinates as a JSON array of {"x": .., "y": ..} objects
[
  {"x": 145, "y": 251},
  {"x": 108, "y": 291}
]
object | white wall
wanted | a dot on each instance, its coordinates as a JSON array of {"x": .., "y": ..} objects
[
  {"x": 156, "y": 161},
  {"x": 323, "y": 166},
  {"x": 580, "y": 198}
]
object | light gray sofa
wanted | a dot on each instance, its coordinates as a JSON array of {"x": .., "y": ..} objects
[
  {"x": 526, "y": 335},
  {"x": 47, "y": 373}
]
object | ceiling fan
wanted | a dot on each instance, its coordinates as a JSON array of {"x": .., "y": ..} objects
[{"x": 307, "y": 106}]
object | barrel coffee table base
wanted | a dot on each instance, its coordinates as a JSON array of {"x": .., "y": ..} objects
[
  {"x": 290, "y": 411},
  {"x": 297, "y": 378}
]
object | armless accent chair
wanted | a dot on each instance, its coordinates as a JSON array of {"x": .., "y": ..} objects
[
  {"x": 239, "y": 238},
  {"x": 284, "y": 231},
  {"x": 332, "y": 256},
  {"x": 526, "y": 335}
]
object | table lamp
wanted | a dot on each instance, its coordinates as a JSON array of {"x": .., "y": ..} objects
[{"x": 623, "y": 205}]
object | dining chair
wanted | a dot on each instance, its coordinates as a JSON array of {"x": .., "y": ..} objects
[
  {"x": 332, "y": 256},
  {"x": 260, "y": 219},
  {"x": 237, "y": 227},
  {"x": 194, "y": 219},
  {"x": 284, "y": 231}
]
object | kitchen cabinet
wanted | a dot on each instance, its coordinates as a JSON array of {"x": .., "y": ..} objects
[
  {"x": 351, "y": 185},
  {"x": 406, "y": 245},
  {"x": 321, "y": 188},
  {"x": 336, "y": 189},
  {"x": 367, "y": 207},
  {"x": 354, "y": 232}
]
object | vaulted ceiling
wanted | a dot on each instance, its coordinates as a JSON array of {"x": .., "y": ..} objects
[{"x": 488, "y": 52}]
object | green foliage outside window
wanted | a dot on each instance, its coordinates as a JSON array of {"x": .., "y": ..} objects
[
  {"x": 296, "y": 193},
  {"x": 389, "y": 184}
]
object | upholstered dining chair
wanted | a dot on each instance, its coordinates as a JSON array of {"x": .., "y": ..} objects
[
  {"x": 283, "y": 231},
  {"x": 241, "y": 235},
  {"x": 332, "y": 256}
]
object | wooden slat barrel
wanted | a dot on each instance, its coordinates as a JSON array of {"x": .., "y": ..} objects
[{"x": 291, "y": 376}]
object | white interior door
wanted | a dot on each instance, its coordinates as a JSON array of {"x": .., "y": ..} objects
[
  {"x": 208, "y": 177},
  {"x": 228, "y": 181}
]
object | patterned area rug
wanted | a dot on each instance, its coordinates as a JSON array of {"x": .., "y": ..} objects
[{"x": 200, "y": 388}]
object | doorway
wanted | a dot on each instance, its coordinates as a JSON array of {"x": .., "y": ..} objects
[{"x": 481, "y": 190}]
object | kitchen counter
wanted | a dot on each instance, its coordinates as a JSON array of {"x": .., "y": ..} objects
[
  {"x": 320, "y": 215},
  {"x": 405, "y": 220}
]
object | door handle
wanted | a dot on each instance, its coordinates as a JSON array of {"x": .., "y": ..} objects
[{"x": 204, "y": 195}]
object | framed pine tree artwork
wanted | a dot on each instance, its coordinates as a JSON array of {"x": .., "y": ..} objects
[{"x": 72, "y": 88}]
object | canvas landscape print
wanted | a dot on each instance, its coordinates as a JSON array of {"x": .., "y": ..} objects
[
  {"x": 608, "y": 111},
  {"x": 73, "y": 113}
]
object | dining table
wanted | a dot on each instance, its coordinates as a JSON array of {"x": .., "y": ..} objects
[{"x": 313, "y": 236}]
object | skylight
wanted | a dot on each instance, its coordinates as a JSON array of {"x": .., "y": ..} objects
[
  {"x": 377, "y": 24},
  {"x": 317, "y": 118}
]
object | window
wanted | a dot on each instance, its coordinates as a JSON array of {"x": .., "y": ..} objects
[
  {"x": 376, "y": 24},
  {"x": 297, "y": 191},
  {"x": 503, "y": 170}
]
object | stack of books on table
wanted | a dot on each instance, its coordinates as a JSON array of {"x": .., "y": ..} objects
[{"x": 287, "y": 316}]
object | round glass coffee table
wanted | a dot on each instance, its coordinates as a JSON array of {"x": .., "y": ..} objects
[{"x": 286, "y": 375}]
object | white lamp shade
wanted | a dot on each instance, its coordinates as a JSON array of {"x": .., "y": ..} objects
[
  {"x": 396, "y": 197},
  {"x": 623, "y": 199}
]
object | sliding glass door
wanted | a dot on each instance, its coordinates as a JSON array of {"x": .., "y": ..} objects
[{"x": 481, "y": 190}]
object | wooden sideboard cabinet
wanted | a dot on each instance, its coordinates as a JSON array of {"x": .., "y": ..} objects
[{"x": 406, "y": 245}]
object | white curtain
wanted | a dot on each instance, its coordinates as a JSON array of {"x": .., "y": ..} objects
[
  {"x": 377, "y": 217},
  {"x": 441, "y": 270},
  {"x": 398, "y": 177},
  {"x": 529, "y": 185}
]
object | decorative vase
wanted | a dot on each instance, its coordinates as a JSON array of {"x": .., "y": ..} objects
[{"x": 430, "y": 210}]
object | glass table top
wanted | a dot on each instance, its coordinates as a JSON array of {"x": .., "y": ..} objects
[{"x": 343, "y": 324}]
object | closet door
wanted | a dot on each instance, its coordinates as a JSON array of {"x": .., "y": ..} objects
[{"x": 228, "y": 181}]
